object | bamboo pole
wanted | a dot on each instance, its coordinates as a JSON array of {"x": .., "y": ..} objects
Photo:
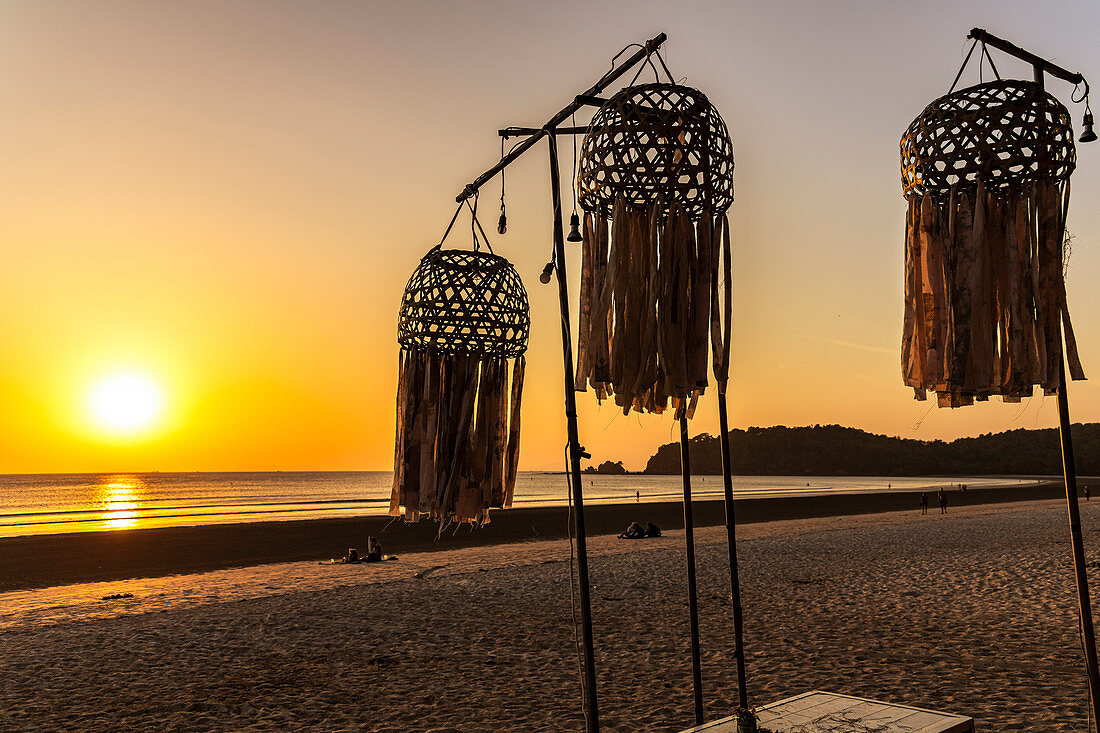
[
  {"x": 1041, "y": 64},
  {"x": 731, "y": 543},
  {"x": 1084, "y": 604},
  {"x": 693, "y": 592},
  {"x": 591, "y": 707},
  {"x": 1069, "y": 468},
  {"x": 576, "y": 451},
  {"x": 579, "y": 101}
]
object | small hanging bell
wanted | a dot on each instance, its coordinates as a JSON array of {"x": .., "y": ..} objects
[
  {"x": 544, "y": 277},
  {"x": 502, "y": 223},
  {"x": 574, "y": 229},
  {"x": 1088, "y": 135}
]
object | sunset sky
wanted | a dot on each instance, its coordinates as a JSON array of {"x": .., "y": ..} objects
[{"x": 225, "y": 200}]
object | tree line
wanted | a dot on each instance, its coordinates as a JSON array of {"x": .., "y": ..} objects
[{"x": 837, "y": 450}]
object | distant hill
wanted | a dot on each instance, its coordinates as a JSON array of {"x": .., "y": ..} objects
[
  {"x": 836, "y": 450},
  {"x": 613, "y": 468}
]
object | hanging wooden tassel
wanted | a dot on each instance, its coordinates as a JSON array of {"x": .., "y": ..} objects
[
  {"x": 986, "y": 172},
  {"x": 463, "y": 331},
  {"x": 655, "y": 180}
]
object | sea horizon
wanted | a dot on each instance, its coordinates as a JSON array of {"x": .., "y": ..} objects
[{"x": 56, "y": 503}]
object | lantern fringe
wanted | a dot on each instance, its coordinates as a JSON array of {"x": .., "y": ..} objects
[
  {"x": 650, "y": 301},
  {"x": 985, "y": 293},
  {"x": 458, "y": 427}
]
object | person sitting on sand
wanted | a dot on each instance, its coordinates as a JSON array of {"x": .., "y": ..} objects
[
  {"x": 374, "y": 554},
  {"x": 633, "y": 532},
  {"x": 374, "y": 550},
  {"x": 652, "y": 530}
]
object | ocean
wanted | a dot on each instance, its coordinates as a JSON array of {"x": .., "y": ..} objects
[{"x": 55, "y": 503}]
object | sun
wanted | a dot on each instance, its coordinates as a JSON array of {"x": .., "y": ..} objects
[{"x": 125, "y": 402}]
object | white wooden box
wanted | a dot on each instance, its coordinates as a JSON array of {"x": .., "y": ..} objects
[{"x": 828, "y": 712}]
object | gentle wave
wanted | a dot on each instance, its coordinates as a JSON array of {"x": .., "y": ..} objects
[
  {"x": 49, "y": 504},
  {"x": 150, "y": 502}
]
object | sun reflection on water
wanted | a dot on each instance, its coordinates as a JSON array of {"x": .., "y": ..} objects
[{"x": 117, "y": 497}]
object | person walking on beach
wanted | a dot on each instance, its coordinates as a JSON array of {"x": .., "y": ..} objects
[
  {"x": 1087, "y": 492},
  {"x": 924, "y": 502},
  {"x": 943, "y": 502},
  {"x": 638, "y": 497}
]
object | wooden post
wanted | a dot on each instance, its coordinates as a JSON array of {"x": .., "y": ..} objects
[
  {"x": 693, "y": 593},
  {"x": 591, "y": 707},
  {"x": 1038, "y": 62},
  {"x": 1084, "y": 604},
  {"x": 605, "y": 81},
  {"x": 731, "y": 543},
  {"x": 1069, "y": 472}
]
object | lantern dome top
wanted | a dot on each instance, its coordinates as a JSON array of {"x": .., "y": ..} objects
[
  {"x": 1006, "y": 133},
  {"x": 657, "y": 142},
  {"x": 464, "y": 302}
]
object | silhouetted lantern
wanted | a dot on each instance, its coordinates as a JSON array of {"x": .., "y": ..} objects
[
  {"x": 986, "y": 173},
  {"x": 655, "y": 181},
  {"x": 463, "y": 330}
]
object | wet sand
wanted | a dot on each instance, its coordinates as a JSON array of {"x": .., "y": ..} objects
[
  {"x": 47, "y": 560},
  {"x": 972, "y": 612}
]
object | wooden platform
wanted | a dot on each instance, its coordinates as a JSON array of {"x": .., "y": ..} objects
[{"x": 828, "y": 712}]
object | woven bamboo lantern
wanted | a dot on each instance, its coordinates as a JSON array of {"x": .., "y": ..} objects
[
  {"x": 463, "y": 330},
  {"x": 655, "y": 181},
  {"x": 986, "y": 174}
]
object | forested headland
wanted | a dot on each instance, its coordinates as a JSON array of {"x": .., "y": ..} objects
[{"x": 837, "y": 450}]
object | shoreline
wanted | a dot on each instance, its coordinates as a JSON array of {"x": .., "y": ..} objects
[{"x": 39, "y": 561}]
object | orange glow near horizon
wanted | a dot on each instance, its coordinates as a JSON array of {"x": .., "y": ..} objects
[{"x": 229, "y": 202}]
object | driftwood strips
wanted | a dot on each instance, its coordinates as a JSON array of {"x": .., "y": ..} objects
[
  {"x": 655, "y": 178},
  {"x": 463, "y": 331},
  {"x": 986, "y": 172}
]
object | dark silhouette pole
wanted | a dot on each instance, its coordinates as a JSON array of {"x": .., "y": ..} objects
[
  {"x": 1041, "y": 67},
  {"x": 693, "y": 593},
  {"x": 1084, "y": 604},
  {"x": 1069, "y": 471},
  {"x": 591, "y": 708},
  {"x": 576, "y": 451},
  {"x": 731, "y": 543}
]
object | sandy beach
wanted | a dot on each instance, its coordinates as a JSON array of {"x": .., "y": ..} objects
[{"x": 973, "y": 612}]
